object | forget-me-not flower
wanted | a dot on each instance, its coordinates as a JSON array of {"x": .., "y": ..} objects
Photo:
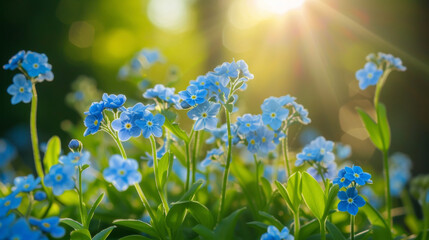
[
  {"x": 49, "y": 225},
  {"x": 273, "y": 233},
  {"x": 151, "y": 125},
  {"x": 248, "y": 123},
  {"x": 265, "y": 139},
  {"x": 126, "y": 126},
  {"x": 11, "y": 201},
  {"x": 193, "y": 96},
  {"x": 113, "y": 101},
  {"x": 122, "y": 173},
  {"x": 164, "y": 93},
  {"x": 244, "y": 69},
  {"x": 302, "y": 113},
  {"x": 60, "y": 178},
  {"x": 393, "y": 61},
  {"x": 35, "y": 64},
  {"x": 369, "y": 75},
  {"x": 22, "y": 231},
  {"x": 75, "y": 158},
  {"x": 356, "y": 174},
  {"x": 341, "y": 180},
  {"x": 205, "y": 116},
  {"x": 227, "y": 70},
  {"x": 350, "y": 201},
  {"x": 5, "y": 225},
  {"x": 343, "y": 151},
  {"x": 317, "y": 150},
  {"x": 7, "y": 152},
  {"x": 92, "y": 122},
  {"x": 273, "y": 114},
  {"x": 20, "y": 89},
  {"x": 40, "y": 196},
  {"x": 15, "y": 61},
  {"x": 26, "y": 184},
  {"x": 212, "y": 155},
  {"x": 328, "y": 170}
]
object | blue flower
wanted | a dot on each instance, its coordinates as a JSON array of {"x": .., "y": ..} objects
[
  {"x": 350, "y": 201},
  {"x": 317, "y": 150},
  {"x": 273, "y": 233},
  {"x": 356, "y": 174},
  {"x": 329, "y": 171},
  {"x": 159, "y": 154},
  {"x": 74, "y": 144},
  {"x": 253, "y": 142},
  {"x": 341, "y": 180},
  {"x": 22, "y": 231},
  {"x": 192, "y": 95},
  {"x": 205, "y": 116},
  {"x": 151, "y": 125},
  {"x": 164, "y": 93},
  {"x": 5, "y": 225},
  {"x": 11, "y": 201},
  {"x": 393, "y": 61},
  {"x": 126, "y": 126},
  {"x": 75, "y": 159},
  {"x": 151, "y": 55},
  {"x": 302, "y": 113},
  {"x": 113, "y": 101},
  {"x": 269, "y": 173},
  {"x": 343, "y": 151},
  {"x": 21, "y": 89},
  {"x": 201, "y": 82},
  {"x": 35, "y": 64},
  {"x": 227, "y": 70},
  {"x": 212, "y": 155},
  {"x": 92, "y": 122},
  {"x": 122, "y": 173},
  {"x": 7, "y": 152},
  {"x": 375, "y": 201},
  {"x": 40, "y": 196},
  {"x": 369, "y": 75},
  {"x": 60, "y": 178},
  {"x": 49, "y": 225},
  {"x": 265, "y": 139},
  {"x": 26, "y": 184},
  {"x": 273, "y": 114},
  {"x": 398, "y": 181},
  {"x": 248, "y": 123},
  {"x": 14, "y": 61},
  {"x": 96, "y": 108},
  {"x": 242, "y": 66},
  {"x": 286, "y": 100},
  {"x": 216, "y": 134},
  {"x": 217, "y": 86}
]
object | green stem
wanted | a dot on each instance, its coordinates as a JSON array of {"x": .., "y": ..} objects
[
  {"x": 322, "y": 229},
  {"x": 257, "y": 176},
  {"x": 30, "y": 204},
  {"x": 380, "y": 86},
  {"x": 82, "y": 215},
  {"x": 188, "y": 166},
  {"x": 297, "y": 224},
  {"x": 155, "y": 172},
  {"x": 352, "y": 227},
  {"x": 285, "y": 155},
  {"x": 194, "y": 155},
  {"x": 34, "y": 138},
  {"x": 228, "y": 163},
  {"x": 387, "y": 189},
  {"x": 425, "y": 220}
]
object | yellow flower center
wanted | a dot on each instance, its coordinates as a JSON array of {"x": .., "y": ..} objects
[
  {"x": 204, "y": 115},
  {"x": 350, "y": 200},
  {"x": 252, "y": 141},
  {"x": 21, "y": 89},
  {"x": 202, "y": 83},
  {"x": 75, "y": 159},
  {"x": 46, "y": 225},
  {"x": 217, "y": 83},
  {"x": 264, "y": 139},
  {"x": 36, "y": 65},
  {"x": 248, "y": 124},
  {"x": 342, "y": 179},
  {"x": 356, "y": 175},
  {"x": 26, "y": 186},
  {"x": 7, "y": 203},
  {"x": 128, "y": 125},
  {"x": 96, "y": 122},
  {"x": 193, "y": 97},
  {"x": 370, "y": 75},
  {"x": 273, "y": 115},
  {"x": 121, "y": 172},
  {"x": 58, "y": 177},
  {"x": 322, "y": 151},
  {"x": 149, "y": 123}
]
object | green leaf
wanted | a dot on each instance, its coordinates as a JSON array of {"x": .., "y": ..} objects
[
  {"x": 104, "y": 233},
  {"x": 81, "y": 234},
  {"x": 270, "y": 218},
  {"x": 313, "y": 195},
  {"x": 285, "y": 195},
  {"x": 163, "y": 165},
  {"x": 225, "y": 228},
  {"x": 137, "y": 225},
  {"x": 52, "y": 153},
  {"x": 200, "y": 212},
  {"x": 72, "y": 223},
  {"x": 371, "y": 128},
  {"x": 334, "y": 231},
  {"x": 174, "y": 127},
  {"x": 258, "y": 225},
  {"x": 135, "y": 237},
  {"x": 92, "y": 210},
  {"x": 383, "y": 124},
  {"x": 379, "y": 225},
  {"x": 204, "y": 232},
  {"x": 229, "y": 107},
  {"x": 308, "y": 229},
  {"x": 266, "y": 187},
  {"x": 330, "y": 200},
  {"x": 192, "y": 190}
]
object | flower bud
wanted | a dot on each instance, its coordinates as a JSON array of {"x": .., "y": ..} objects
[{"x": 75, "y": 145}]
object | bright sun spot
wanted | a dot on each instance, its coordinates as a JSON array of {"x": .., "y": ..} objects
[{"x": 278, "y": 6}]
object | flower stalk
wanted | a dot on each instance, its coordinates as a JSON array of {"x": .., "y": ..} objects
[{"x": 228, "y": 163}]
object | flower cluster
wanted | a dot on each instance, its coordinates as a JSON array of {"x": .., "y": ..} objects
[
  {"x": 143, "y": 60},
  {"x": 162, "y": 94},
  {"x": 375, "y": 67},
  {"x": 34, "y": 67},
  {"x": 350, "y": 178},
  {"x": 12, "y": 227},
  {"x": 121, "y": 172},
  {"x": 274, "y": 233}
]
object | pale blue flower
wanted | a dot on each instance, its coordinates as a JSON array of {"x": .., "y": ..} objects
[
  {"x": 273, "y": 114},
  {"x": 151, "y": 125},
  {"x": 274, "y": 234},
  {"x": 15, "y": 61},
  {"x": 75, "y": 158},
  {"x": 369, "y": 75},
  {"x": 26, "y": 184},
  {"x": 205, "y": 116},
  {"x": 49, "y": 225},
  {"x": 60, "y": 178},
  {"x": 21, "y": 89},
  {"x": 122, "y": 173}
]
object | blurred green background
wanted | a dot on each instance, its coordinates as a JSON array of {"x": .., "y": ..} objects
[{"x": 311, "y": 52}]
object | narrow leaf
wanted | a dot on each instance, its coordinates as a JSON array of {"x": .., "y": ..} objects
[
  {"x": 104, "y": 233},
  {"x": 371, "y": 128},
  {"x": 334, "y": 231},
  {"x": 204, "y": 232},
  {"x": 383, "y": 124},
  {"x": 72, "y": 223},
  {"x": 137, "y": 225},
  {"x": 92, "y": 210},
  {"x": 81, "y": 234},
  {"x": 192, "y": 190},
  {"x": 225, "y": 228},
  {"x": 52, "y": 153}
]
